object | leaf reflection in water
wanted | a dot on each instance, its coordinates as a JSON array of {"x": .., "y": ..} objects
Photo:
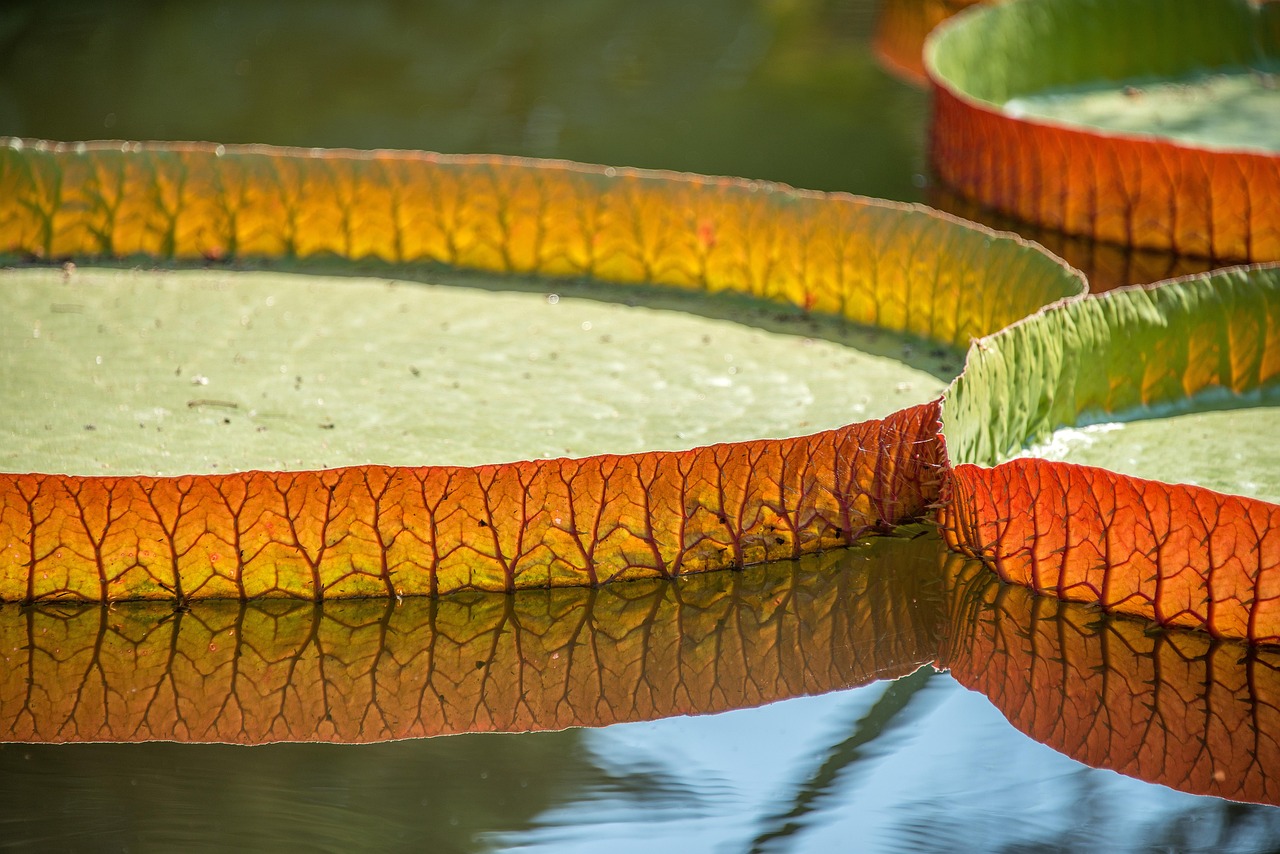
[
  {"x": 1175, "y": 708},
  {"x": 371, "y": 670}
]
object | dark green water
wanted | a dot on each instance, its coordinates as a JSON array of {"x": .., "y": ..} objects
[
  {"x": 783, "y": 91},
  {"x": 787, "y": 91}
]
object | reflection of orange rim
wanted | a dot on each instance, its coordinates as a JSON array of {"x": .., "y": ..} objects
[
  {"x": 536, "y": 660},
  {"x": 1077, "y": 682},
  {"x": 1122, "y": 188}
]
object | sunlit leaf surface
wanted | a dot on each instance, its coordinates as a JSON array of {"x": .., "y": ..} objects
[
  {"x": 1137, "y": 190},
  {"x": 1228, "y": 450},
  {"x": 878, "y": 263},
  {"x": 198, "y": 371},
  {"x": 1176, "y": 708},
  {"x": 1228, "y": 109}
]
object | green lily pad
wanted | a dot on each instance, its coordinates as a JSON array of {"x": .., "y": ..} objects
[
  {"x": 1025, "y": 47},
  {"x": 1161, "y": 119},
  {"x": 195, "y": 371},
  {"x": 1175, "y": 382},
  {"x": 1229, "y": 451}
]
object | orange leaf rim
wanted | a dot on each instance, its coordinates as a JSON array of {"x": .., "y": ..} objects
[
  {"x": 1175, "y": 554},
  {"x": 1106, "y": 266},
  {"x": 1134, "y": 190},
  {"x": 380, "y": 531}
]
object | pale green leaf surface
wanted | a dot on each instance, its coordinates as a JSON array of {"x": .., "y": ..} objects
[
  {"x": 1208, "y": 341},
  {"x": 1229, "y": 109},
  {"x": 1019, "y": 48},
  {"x": 1233, "y": 451},
  {"x": 110, "y": 371}
]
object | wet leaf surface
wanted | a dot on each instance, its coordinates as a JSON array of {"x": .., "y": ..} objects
[
  {"x": 206, "y": 371},
  {"x": 1224, "y": 450}
]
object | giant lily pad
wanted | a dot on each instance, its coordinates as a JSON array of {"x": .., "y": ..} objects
[
  {"x": 1009, "y": 78},
  {"x": 1177, "y": 554},
  {"x": 378, "y": 530},
  {"x": 374, "y": 530}
]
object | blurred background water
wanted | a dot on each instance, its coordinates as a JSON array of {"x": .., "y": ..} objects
[{"x": 787, "y": 90}]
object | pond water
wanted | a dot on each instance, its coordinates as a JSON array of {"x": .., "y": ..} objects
[{"x": 787, "y": 92}]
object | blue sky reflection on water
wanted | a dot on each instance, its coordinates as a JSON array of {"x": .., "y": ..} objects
[{"x": 951, "y": 775}]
